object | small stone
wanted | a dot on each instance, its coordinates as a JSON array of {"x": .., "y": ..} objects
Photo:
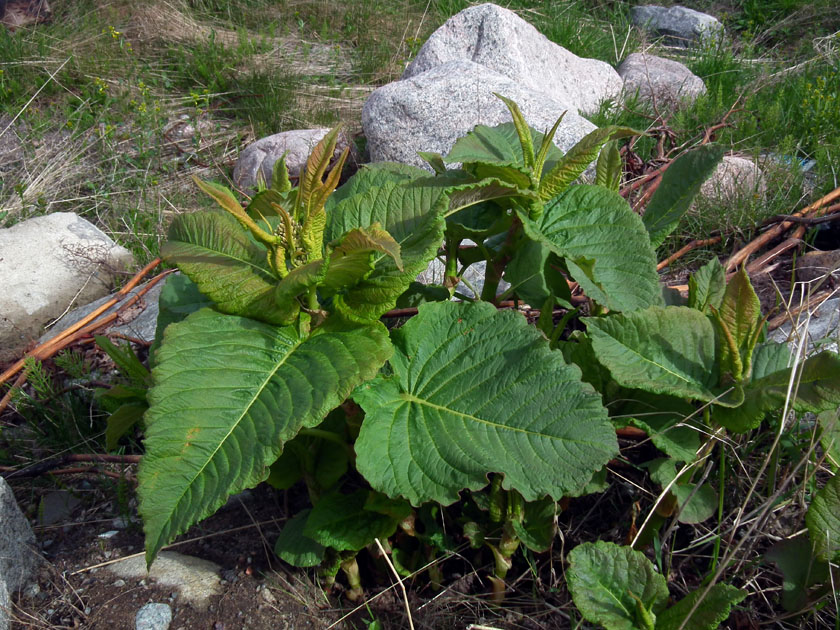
[
  {"x": 118, "y": 583},
  {"x": 679, "y": 26},
  {"x": 665, "y": 82},
  {"x": 153, "y": 617},
  {"x": 108, "y": 534}
]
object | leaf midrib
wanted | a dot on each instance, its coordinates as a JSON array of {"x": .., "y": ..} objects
[{"x": 414, "y": 399}]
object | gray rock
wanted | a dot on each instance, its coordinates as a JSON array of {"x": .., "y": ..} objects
[
  {"x": 153, "y": 617},
  {"x": 5, "y": 606},
  {"x": 665, "y": 82},
  {"x": 431, "y": 110},
  {"x": 56, "y": 507},
  {"x": 819, "y": 330},
  {"x": 48, "y": 264},
  {"x": 196, "y": 579},
  {"x": 260, "y": 156},
  {"x": 503, "y": 42},
  {"x": 18, "y": 558},
  {"x": 816, "y": 265},
  {"x": 678, "y": 25},
  {"x": 138, "y": 321},
  {"x": 735, "y": 177}
]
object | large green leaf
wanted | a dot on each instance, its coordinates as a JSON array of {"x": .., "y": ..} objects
[
  {"x": 226, "y": 265},
  {"x": 342, "y": 521},
  {"x": 823, "y": 520},
  {"x": 800, "y": 570},
  {"x": 678, "y": 188},
  {"x": 412, "y": 215},
  {"x": 374, "y": 176},
  {"x": 539, "y": 524},
  {"x": 663, "y": 418},
  {"x": 712, "y": 611},
  {"x": 817, "y": 389},
  {"x": 830, "y": 435},
  {"x": 497, "y": 146},
  {"x": 665, "y": 350},
  {"x": 578, "y": 158},
  {"x": 609, "y": 584},
  {"x": 605, "y": 245},
  {"x": 178, "y": 298},
  {"x": 476, "y": 391},
  {"x": 294, "y": 547},
  {"x": 533, "y": 276},
  {"x": 229, "y": 392}
]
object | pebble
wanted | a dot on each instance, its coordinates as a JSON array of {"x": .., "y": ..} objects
[
  {"x": 108, "y": 534},
  {"x": 153, "y": 617},
  {"x": 118, "y": 583}
]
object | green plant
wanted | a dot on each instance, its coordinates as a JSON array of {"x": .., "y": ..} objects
[{"x": 464, "y": 403}]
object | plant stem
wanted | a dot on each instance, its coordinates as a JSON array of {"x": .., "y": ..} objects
[{"x": 324, "y": 435}]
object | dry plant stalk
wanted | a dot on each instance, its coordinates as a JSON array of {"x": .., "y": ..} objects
[{"x": 83, "y": 327}]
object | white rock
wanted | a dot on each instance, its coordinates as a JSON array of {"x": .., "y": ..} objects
[
  {"x": 500, "y": 40},
  {"x": 153, "y": 617},
  {"x": 261, "y": 155},
  {"x": 196, "y": 579},
  {"x": 431, "y": 110},
  {"x": 734, "y": 178},
  {"x": 666, "y": 82},
  {"x": 47, "y": 265},
  {"x": 680, "y": 26}
]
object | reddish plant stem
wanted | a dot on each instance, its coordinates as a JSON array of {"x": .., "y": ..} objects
[{"x": 687, "y": 248}]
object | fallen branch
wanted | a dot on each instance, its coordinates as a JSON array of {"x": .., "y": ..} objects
[
  {"x": 82, "y": 328},
  {"x": 687, "y": 248},
  {"x": 828, "y": 218},
  {"x": 813, "y": 302},
  {"x": 36, "y": 470},
  {"x": 753, "y": 246}
]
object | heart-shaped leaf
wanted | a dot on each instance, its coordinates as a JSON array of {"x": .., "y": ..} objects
[{"x": 476, "y": 391}]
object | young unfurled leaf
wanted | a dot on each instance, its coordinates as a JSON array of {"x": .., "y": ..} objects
[
  {"x": 679, "y": 186},
  {"x": 225, "y": 264},
  {"x": 607, "y": 582},
  {"x": 578, "y": 158},
  {"x": 706, "y": 286},
  {"x": 280, "y": 176},
  {"x": 500, "y": 147},
  {"x": 740, "y": 313},
  {"x": 526, "y": 142},
  {"x": 475, "y": 391},
  {"x": 608, "y": 167},
  {"x": 229, "y": 392},
  {"x": 227, "y": 201},
  {"x": 605, "y": 246},
  {"x": 412, "y": 214}
]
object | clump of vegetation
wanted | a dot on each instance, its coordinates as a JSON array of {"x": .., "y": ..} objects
[{"x": 687, "y": 460}]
